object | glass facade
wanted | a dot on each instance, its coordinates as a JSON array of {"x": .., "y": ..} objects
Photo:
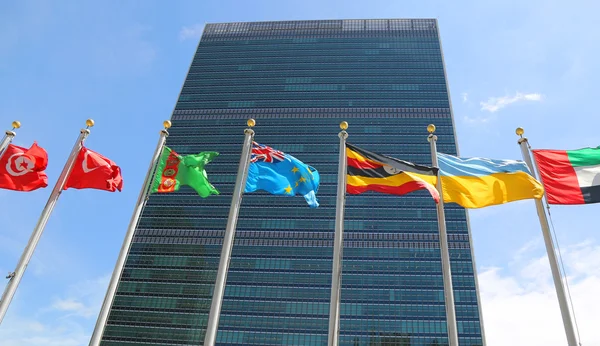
[{"x": 299, "y": 80}]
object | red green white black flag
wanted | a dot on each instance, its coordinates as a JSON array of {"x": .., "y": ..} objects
[{"x": 570, "y": 176}]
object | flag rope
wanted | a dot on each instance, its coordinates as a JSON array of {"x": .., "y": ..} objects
[{"x": 562, "y": 265}]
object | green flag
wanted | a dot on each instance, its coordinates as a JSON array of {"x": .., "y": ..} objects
[{"x": 174, "y": 170}]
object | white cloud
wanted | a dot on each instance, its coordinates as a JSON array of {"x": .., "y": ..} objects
[
  {"x": 465, "y": 97},
  {"x": 67, "y": 322},
  {"x": 493, "y": 104},
  {"x": 191, "y": 32},
  {"x": 521, "y": 308}
]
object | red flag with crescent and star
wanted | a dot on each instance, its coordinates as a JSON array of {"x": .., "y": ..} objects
[
  {"x": 22, "y": 169},
  {"x": 94, "y": 171}
]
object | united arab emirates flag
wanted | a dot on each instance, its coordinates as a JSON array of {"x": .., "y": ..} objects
[
  {"x": 570, "y": 176},
  {"x": 174, "y": 170}
]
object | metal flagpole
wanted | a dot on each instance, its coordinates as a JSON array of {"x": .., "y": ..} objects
[
  {"x": 558, "y": 284},
  {"x": 338, "y": 240},
  {"x": 446, "y": 272},
  {"x": 8, "y": 137},
  {"x": 137, "y": 211},
  {"x": 240, "y": 184},
  {"x": 15, "y": 277}
]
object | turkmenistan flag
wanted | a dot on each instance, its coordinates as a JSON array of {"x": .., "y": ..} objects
[
  {"x": 570, "y": 176},
  {"x": 174, "y": 170}
]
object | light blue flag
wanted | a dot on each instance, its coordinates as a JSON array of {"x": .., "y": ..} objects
[{"x": 281, "y": 174}]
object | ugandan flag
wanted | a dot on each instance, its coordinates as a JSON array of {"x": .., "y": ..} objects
[{"x": 369, "y": 171}]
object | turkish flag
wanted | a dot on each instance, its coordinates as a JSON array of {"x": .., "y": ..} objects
[
  {"x": 94, "y": 171},
  {"x": 22, "y": 169}
]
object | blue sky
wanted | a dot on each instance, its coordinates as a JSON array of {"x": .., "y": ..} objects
[{"x": 510, "y": 63}]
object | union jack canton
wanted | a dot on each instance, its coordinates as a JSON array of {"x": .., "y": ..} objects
[{"x": 261, "y": 152}]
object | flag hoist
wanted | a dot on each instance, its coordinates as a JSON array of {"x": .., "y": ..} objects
[
  {"x": 445, "y": 253},
  {"x": 8, "y": 137},
  {"x": 338, "y": 241},
  {"x": 15, "y": 277},
  {"x": 556, "y": 275},
  {"x": 139, "y": 206},
  {"x": 240, "y": 184}
]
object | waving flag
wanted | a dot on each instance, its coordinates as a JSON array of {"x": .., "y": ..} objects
[
  {"x": 94, "y": 171},
  {"x": 368, "y": 171},
  {"x": 570, "y": 176},
  {"x": 22, "y": 169},
  {"x": 281, "y": 174},
  {"x": 174, "y": 170},
  {"x": 479, "y": 182}
]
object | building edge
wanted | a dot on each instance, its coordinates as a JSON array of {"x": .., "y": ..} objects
[{"x": 473, "y": 261}]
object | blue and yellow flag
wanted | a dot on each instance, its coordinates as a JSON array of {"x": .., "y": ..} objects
[
  {"x": 281, "y": 174},
  {"x": 479, "y": 182}
]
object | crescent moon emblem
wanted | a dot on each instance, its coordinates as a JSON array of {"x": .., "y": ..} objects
[{"x": 18, "y": 160}]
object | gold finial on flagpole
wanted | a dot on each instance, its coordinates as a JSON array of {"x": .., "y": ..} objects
[
  {"x": 251, "y": 122},
  {"x": 519, "y": 131},
  {"x": 344, "y": 125},
  {"x": 16, "y": 124},
  {"x": 431, "y": 128},
  {"x": 89, "y": 123},
  {"x": 167, "y": 124}
]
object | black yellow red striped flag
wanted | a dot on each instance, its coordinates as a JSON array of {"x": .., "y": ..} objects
[{"x": 368, "y": 171}]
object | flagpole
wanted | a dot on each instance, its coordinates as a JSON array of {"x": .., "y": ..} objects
[
  {"x": 8, "y": 137},
  {"x": 556, "y": 276},
  {"x": 137, "y": 211},
  {"x": 338, "y": 242},
  {"x": 240, "y": 183},
  {"x": 15, "y": 277},
  {"x": 446, "y": 272}
]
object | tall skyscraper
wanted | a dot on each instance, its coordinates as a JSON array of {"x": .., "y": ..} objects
[{"x": 299, "y": 80}]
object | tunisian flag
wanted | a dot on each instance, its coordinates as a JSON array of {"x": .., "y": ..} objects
[
  {"x": 94, "y": 171},
  {"x": 22, "y": 169}
]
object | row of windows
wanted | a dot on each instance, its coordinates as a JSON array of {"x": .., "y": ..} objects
[
  {"x": 241, "y": 53},
  {"x": 298, "y": 243},
  {"x": 299, "y": 65},
  {"x": 351, "y": 280},
  {"x": 331, "y": 42},
  {"x": 297, "y": 266},
  {"x": 315, "y": 87},
  {"x": 362, "y": 74},
  {"x": 304, "y": 103},
  {"x": 258, "y": 252},
  {"x": 327, "y": 113},
  {"x": 295, "y": 309},
  {"x": 237, "y": 114},
  {"x": 333, "y": 66},
  {"x": 298, "y": 235},
  {"x": 365, "y": 140},
  {"x": 320, "y": 58},
  {"x": 354, "y": 24},
  {"x": 328, "y": 116},
  {"x": 364, "y": 216},
  {"x": 420, "y": 199},
  {"x": 306, "y": 224},
  {"x": 342, "y": 95},
  {"x": 313, "y": 34},
  {"x": 266, "y": 80}
]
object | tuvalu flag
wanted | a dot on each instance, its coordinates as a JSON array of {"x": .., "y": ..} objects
[
  {"x": 94, "y": 171},
  {"x": 368, "y": 171},
  {"x": 22, "y": 169}
]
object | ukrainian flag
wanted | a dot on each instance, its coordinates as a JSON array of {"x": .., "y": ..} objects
[{"x": 479, "y": 182}]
